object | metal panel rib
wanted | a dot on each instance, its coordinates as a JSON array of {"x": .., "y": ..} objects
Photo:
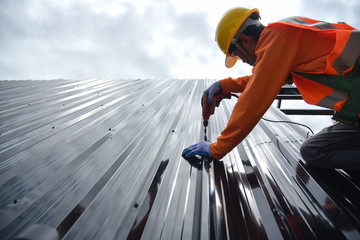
[{"x": 101, "y": 159}]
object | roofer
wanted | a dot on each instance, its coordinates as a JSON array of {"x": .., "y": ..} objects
[{"x": 320, "y": 58}]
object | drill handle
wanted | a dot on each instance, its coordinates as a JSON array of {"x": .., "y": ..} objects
[{"x": 209, "y": 109}]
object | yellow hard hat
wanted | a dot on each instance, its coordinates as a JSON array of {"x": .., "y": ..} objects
[{"x": 228, "y": 27}]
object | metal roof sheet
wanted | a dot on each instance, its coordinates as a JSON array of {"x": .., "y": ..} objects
[{"x": 101, "y": 159}]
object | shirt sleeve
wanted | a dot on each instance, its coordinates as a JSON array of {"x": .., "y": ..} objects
[
  {"x": 237, "y": 85},
  {"x": 275, "y": 56}
]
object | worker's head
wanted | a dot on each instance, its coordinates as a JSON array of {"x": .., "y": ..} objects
[{"x": 237, "y": 34}]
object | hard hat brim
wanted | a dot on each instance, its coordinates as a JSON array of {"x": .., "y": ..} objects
[{"x": 230, "y": 61}]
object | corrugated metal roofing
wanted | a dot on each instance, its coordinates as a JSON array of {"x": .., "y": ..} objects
[{"x": 101, "y": 159}]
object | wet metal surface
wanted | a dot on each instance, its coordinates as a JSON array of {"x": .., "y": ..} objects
[{"x": 101, "y": 159}]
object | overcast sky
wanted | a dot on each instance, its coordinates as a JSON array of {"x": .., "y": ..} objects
[
  {"x": 130, "y": 39},
  {"x": 113, "y": 39}
]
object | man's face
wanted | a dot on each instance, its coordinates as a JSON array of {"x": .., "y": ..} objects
[
  {"x": 237, "y": 54},
  {"x": 248, "y": 44}
]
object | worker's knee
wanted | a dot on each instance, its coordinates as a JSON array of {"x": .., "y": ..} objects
[
  {"x": 314, "y": 156},
  {"x": 306, "y": 152},
  {"x": 310, "y": 154}
]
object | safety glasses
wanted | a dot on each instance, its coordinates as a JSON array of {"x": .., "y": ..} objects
[{"x": 236, "y": 45}]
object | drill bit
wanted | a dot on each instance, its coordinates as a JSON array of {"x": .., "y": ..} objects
[{"x": 205, "y": 122}]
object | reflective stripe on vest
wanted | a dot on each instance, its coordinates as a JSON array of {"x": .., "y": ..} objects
[
  {"x": 319, "y": 25},
  {"x": 347, "y": 54},
  {"x": 345, "y": 95},
  {"x": 340, "y": 80},
  {"x": 331, "y": 100}
]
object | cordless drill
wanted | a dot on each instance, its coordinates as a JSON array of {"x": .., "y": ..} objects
[{"x": 208, "y": 110}]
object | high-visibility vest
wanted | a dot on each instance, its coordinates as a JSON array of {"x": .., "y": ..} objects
[{"x": 338, "y": 85}]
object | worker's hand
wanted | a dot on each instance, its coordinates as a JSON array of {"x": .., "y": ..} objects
[
  {"x": 211, "y": 98},
  {"x": 201, "y": 148},
  {"x": 214, "y": 90}
]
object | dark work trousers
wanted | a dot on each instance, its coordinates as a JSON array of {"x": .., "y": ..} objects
[{"x": 336, "y": 146}]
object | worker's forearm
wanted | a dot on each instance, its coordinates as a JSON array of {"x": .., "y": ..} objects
[{"x": 234, "y": 84}]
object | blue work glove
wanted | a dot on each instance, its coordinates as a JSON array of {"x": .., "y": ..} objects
[
  {"x": 201, "y": 148},
  {"x": 214, "y": 90}
]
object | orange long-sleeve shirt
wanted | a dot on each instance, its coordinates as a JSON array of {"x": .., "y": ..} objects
[{"x": 281, "y": 49}]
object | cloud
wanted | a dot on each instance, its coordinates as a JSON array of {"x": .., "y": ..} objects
[
  {"x": 130, "y": 39},
  {"x": 72, "y": 41},
  {"x": 333, "y": 11},
  {"x": 80, "y": 40}
]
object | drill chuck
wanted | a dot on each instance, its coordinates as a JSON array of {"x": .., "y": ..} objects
[{"x": 205, "y": 123}]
